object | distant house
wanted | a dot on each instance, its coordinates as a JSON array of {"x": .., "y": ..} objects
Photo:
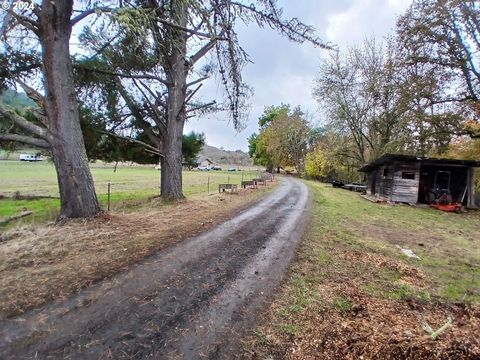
[
  {"x": 412, "y": 179},
  {"x": 204, "y": 161}
]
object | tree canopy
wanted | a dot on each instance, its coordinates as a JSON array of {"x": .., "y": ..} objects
[
  {"x": 137, "y": 77},
  {"x": 283, "y": 140},
  {"x": 444, "y": 37}
]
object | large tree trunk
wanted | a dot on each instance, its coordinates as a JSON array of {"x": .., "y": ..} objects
[
  {"x": 171, "y": 171},
  {"x": 77, "y": 192},
  {"x": 177, "y": 71}
]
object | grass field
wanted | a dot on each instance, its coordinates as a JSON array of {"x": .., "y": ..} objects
[
  {"x": 351, "y": 292},
  {"x": 130, "y": 186}
]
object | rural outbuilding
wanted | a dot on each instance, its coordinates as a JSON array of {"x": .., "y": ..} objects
[
  {"x": 412, "y": 179},
  {"x": 204, "y": 161}
]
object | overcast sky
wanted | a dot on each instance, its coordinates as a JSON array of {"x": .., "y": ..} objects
[{"x": 283, "y": 72}]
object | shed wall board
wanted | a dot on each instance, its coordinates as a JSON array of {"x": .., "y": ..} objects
[
  {"x": 405, "y": 190},
  {"x": 378, "y": 179},
  {"x": 470, "y": 188},
  {"x": 386, "y": 182}
]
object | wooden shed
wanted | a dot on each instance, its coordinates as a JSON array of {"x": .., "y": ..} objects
[{"x": 412, "y": 179}]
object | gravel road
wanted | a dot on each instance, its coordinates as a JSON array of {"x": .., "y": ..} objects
[{"x": 194, "y": 300}]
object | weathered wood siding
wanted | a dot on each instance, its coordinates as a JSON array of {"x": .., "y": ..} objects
[
  {"x": 471, "y": 188},
  {"x": 376, "y": 178},
  {"x": 405, "y": 190},
  {"x": 370, "y": 180},
  {"x": 378, "y": 182},
  {"x": 383, "y": 184},
  {"x": 386, "y": 181}
]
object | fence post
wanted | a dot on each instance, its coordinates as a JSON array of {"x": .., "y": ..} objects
[
  {"x": 228, "y": 179},
  {"x": 242, "y": 176},
  {"x": 108, "y": 196},
  {"x": 208, "y": 184}
]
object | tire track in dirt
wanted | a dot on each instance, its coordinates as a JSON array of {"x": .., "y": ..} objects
[{"x": 193, "y": 300}]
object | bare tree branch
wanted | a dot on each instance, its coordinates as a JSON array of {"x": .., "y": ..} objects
[
  {"x": 89, "y": 12},
  {"x": 203, "y": 78},
  {"x": 27, "y": 22},
  {"x": 137, "y": 114},
  {"x": 32, "y": 93},
  {"x": 147, "y": 146},
  {"x": 203, "y": 106},
  {"x": 38, "y": 143},
  {"x": 189, "y": 97},
  {"x": 157, "y": 116},
  {"x": 122, "y": 75},
  {"x": 26, "y": 125},
  {"x": 203, "y": 51},
  {"x": 189, "y": 31}
]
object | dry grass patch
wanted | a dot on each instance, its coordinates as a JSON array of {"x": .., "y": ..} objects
[{"x": 42, "y": 263}]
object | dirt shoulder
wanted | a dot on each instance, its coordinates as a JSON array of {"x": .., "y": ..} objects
[
  {"x": 352, "y": 294},
  {"x": 38, "y": 264}
]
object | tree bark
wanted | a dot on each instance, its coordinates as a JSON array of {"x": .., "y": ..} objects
[
  {"x": 171, "y": 162},
  {"x": 177, "y": 71},
  {"x": 77, "y": 192}
]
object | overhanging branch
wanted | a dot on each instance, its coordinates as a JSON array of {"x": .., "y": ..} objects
[
  {"x": 189, "y": 97},
  {"x": 26, "y": 125},
  {"x": 203, "y": 51},
  {"x": 38, "y": 143},
  {"x": 203, "y": 78},
  {"x": 122, "y": 75},
  {"x": 27, "y": 22},
  {"x": 89, "y": 12},
  {"x": 200, "y": 107},
  {"x": 144, "y": 144},
  {"x": 189, "y": 31}
]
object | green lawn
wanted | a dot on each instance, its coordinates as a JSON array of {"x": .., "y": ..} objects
[
  {"x": 447, "y": 243},
  {"x": 129, "y": 185},
  {"x": 351, "y": 292}
]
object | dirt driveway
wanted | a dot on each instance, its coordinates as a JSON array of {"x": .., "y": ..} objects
[{"x": 192, "y": 301}]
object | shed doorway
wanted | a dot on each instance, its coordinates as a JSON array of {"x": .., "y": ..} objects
[{"x": 446, "y": 181}]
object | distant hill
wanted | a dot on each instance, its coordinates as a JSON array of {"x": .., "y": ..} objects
[
  {"x": 220, "y": 156},
  {"x": 230, "y": 157},
  {"x": 16, "y": 100}
]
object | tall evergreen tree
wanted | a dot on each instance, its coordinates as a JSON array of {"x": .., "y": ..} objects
[
  {"x": 162, "y": 53},
  {"x": 55, "y": 124}
]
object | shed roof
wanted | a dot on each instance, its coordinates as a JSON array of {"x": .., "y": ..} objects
[{"x": 389, "y": 158}]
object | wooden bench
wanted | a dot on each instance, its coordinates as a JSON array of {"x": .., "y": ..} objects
[
  {"x": 248, "y": 183},
  {"x": 258, "y": 181},
  {"x": 223, "y": 187}
]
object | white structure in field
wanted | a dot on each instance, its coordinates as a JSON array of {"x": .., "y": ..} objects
[{"x": 30, "y": 157}]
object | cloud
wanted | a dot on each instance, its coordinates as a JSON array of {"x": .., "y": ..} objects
[
  {"x": 283, "y": 71},
  {"x": 364, "y": 19}
]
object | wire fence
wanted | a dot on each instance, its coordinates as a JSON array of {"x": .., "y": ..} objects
[
  {"x": 34, "y": 186},
  {"x": 193, "y": 183}
]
